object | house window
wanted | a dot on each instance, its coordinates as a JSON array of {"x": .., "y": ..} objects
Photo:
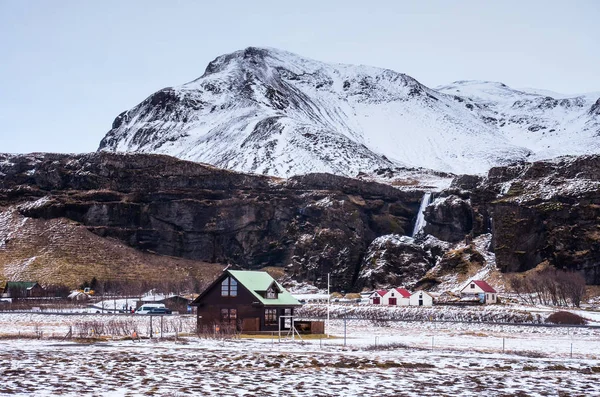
[
  {"x": 472, "y": 286},
  {"x": 270, "y": 316},
  {"x": 271, "y": 294},
  {"x": 229, "y": 287},
  {"x": 228, "y": 315}
]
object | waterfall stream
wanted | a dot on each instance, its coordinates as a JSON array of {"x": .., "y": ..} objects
[{"x": 420, "y": 222}]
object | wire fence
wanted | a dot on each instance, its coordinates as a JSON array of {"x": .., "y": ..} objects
[
  {"x": 527, "y": 340},
  {"x": 102, "y": 326}
]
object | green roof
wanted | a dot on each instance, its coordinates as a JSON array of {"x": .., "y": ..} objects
[
  {"x": 20, "y": 284},
  {"x": 261, "y": 281}
]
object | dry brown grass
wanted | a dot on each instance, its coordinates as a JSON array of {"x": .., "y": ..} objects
[
  {"x": 68, "y": 253},
  {"x": 276, "y": 272},
  {"x": 592, "y": 291},
  {"x": 405, "y": 182}
]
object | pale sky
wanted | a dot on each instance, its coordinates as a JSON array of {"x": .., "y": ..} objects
[{"x": 68, "y": 68}]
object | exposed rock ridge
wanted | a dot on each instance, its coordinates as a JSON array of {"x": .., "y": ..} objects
[
  {"x": 539, "y": 212},
  {"x": 312, "y": 224}
]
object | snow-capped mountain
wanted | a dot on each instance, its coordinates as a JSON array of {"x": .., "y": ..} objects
[
  {"x": 272, "y": 112},
  {"x": 547, "y": 126}
]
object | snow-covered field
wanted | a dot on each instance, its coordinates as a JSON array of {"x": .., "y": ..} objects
[{"x": 394, "y": 359}]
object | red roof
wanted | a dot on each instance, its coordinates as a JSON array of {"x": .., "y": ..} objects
[
  {"x": 382, "y": 292},
  {"x": 403, "y": 292},
  {"x": 483, "y": 285}
]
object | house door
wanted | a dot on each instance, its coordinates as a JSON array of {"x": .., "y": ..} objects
[
  {"x": 393, "y": 302},
  {"x": 375, "y": 301},
  {"x": 286, "y": 322},
  {"x": 420, "y": 302}
]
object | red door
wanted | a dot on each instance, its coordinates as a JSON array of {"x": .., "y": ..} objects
[
  {"x": 376, "y": 301},
  {"x": 393, "y": 302}
]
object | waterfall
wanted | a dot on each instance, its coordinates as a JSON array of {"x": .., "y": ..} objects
[{"x": 420, "y": 222}]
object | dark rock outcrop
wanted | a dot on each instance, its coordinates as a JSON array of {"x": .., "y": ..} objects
[
  {"x": 595, "y": 109},
  {"x": 548, "y": 211},
  {"x": 449, "y": 218},
  {"x": 394, "y": 261},
  {"x": 314, "y": 224},
  {"x": 466, "y": 182},
  {"x": 536, "y": 212}
]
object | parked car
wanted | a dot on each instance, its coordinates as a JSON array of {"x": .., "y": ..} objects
[
  {"x": 146, "y": 308},
  {"x": 160, "y": 310}
]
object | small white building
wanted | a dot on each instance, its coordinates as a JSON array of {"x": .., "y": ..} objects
[
  {"x": 421, "y": 298},
  {"x": 376, "y": 297},
  {"x": 396, "y": 297},
  {"x": 485, "y": 293}
]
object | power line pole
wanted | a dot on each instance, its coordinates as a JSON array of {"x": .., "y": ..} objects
[{"x": 328, "y": 301}]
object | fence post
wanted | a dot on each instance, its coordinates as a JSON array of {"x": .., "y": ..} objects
[
  {"x": 161, "y": 326},
  {"x": 151, "y": 326},
  {"x": 344, "y": 331},
  {"x": 432, "y": 343},
  {"x": 571, "y": 349}
]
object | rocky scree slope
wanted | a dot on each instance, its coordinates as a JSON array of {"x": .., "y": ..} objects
[
  {"x": 540, "y": 212},
  {"x": 311, "y": 224},
  {"x": 271, "y": 112}
]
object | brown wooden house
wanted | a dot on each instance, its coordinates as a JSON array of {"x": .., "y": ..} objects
[{"x": 247, "y": 300}]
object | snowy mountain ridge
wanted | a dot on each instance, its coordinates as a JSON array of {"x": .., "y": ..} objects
[{"x": 269, "y": 111}]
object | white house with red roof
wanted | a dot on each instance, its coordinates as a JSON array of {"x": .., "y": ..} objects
[
  {"x": 376, "y": 298},
  {"x": 396, "y": 297},
  {"x": 421, "y": 298},
  {"x": 482, "y": 290}
]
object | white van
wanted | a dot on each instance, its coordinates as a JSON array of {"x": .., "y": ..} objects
[{"x": 146, "y": 308}]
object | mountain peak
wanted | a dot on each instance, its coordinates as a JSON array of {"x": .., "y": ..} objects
[
  {"x": 256, "y": 58},
  {"x": 269, "y": 111},
  {"x": 253, "y": 54}
]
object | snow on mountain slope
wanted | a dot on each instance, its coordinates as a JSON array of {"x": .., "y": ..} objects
[
  {"x": 547, "y": 126},
  {"x": 269, "y": 111}
]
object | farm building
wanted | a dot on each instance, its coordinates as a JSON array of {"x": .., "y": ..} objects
[
  {"x": 246, "y": 300},
  {"x": 421, "y": 298},
  {"x": 481, "y": 289},
  {"x": 22, "y": 289},
  {"x": 376, "y": 297},
  {"x": 397, "y": 297},
  {"x": 446, "y": 297},
  {"x": 177, "y": 303}
]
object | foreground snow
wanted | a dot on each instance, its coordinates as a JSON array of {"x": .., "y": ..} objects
[{"x": 418, "y": 358}]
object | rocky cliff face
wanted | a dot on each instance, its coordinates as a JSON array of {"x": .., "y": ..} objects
[
  {"x": 313, "y": 224},
  {"x": 546, "y": 211},
  {"x": 310, "y": 225},
  {"x": 395, "y": 260}
]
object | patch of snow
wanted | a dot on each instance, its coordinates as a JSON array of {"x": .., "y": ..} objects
[{"x": 34, "y": 204}]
